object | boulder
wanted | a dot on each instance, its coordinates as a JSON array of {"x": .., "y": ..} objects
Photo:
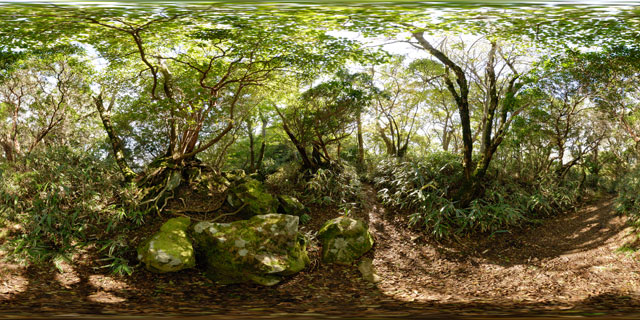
[
  {"x": 251, "y": 198},
  {"x": 344, "y": 240},
  {"x": 290, "y": 205},
  {"x": 262, "y": 249},
  {"x": 170, "y": 249}
]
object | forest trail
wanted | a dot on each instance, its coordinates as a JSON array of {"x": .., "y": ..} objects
[
  {"x": 567, "y": 265},
  {"x": 573, "y": 259}
]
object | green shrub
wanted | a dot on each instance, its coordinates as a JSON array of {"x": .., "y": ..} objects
[
  {"x": 338, "y": 185},
  {"x": 426, "y": 188},
  {"x": 628, "y": 199},
  {"x": 62, "y": 200}
]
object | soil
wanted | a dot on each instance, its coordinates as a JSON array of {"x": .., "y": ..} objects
[{"x": 580, "y": 263}]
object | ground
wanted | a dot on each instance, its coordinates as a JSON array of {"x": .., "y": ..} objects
[{"x": 582, "y": 262}]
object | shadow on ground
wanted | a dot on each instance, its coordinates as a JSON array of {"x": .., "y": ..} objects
[{"x": 568, "y": 266}]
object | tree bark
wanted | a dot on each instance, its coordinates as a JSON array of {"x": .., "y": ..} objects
[
  {"x": 116, "y": 143},
  {"x": 263, "y": 146},
  {"x": 8, "y": 152},
  {"x": 360, "y": 142},
  {"x": 252, "y": 153}
]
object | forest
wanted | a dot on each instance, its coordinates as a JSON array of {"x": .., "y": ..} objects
[{"x": 309, "y": 159}]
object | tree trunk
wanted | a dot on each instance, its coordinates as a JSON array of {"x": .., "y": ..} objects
[
  {"x": 252, "y": 154},
  {"x": 461, "y": 96},
  {"x": 596, "y": 168},
  {"x": 263, "y": 146},
  {"x": 306, "y": 161},
  {"x": 8, "y": 152},
  {"x": 360, "y": 142},
  {"x": 116, "y": 143},
  {"x": 446, "y": 136}
]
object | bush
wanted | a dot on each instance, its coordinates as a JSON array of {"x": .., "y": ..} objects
[
  {"x": 426, "y": 188},
  {"x": 628, "y": 200},
  {"x": 62, "y": 201},
  {"x": 404, "y": 183},
  {"x": 337, "y": 185}
]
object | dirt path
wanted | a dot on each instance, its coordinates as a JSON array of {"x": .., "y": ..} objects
[
  {"x": 569, "y": 265},
  {"x": 568, "y": 261}
]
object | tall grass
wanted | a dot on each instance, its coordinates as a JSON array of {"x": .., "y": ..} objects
[
  {"x": 61, "y": 201},
  {"x": 425, "y": 188}
]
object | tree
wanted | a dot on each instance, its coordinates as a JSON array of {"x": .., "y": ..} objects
[
  {"x": 325, "y": 115},
  {"x": 439, "y": 105},
  {"x": 38, "y": 97},
  {"x": 609, "y": 79},
  {"x": 502, "y": 106},
  {"x": 567, "y": 120},
  {"x": 397, "y": 107},
  {"x": 172, "y": 83}
]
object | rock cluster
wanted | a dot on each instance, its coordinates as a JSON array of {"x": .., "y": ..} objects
[{"x": 262, "y": 249}]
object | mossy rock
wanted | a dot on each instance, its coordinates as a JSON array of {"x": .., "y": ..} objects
[
  {"x": 207, "y": 180},
  {"x": 344, "y": 240},
  {"x": 290, "y": 205},
  {"x": 253, "y": 198},
  {"x": 170, "y": 249},
  {"x": 262, "y": 249},
  {"x": 235, "y": 176}
]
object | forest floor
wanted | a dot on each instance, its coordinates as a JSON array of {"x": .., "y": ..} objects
[{"x": 580, "y": 263}]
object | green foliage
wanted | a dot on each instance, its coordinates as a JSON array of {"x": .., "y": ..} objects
[
  {"x": 426, "y": 188},
  {"x": 338, "y": 185},
  {"x": 305, "y": 218},
  {"x": 325, "y": 114},
  {"x": 62, "y": 200},
  {"x": 403, "y": 184},
  {"x": 218, "y": 83},
  {"x": 628, "y": 200},
  {"x": 115, "y": 252}
]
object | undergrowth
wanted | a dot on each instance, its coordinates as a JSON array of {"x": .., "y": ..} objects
[
  {"x": 628, "y": 200},
  {"x": 426, "y": 187},
  {"x": 338, "y": 185},
  {"x": 61, "y": 202}
]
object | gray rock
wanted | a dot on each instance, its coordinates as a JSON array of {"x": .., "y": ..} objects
[
  {"x": 368, "y": 271},
  {"x": 262, "y": 249}
]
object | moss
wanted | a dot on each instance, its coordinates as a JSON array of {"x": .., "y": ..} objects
[
  {"x": 260, "y": 250},
  {"x": 290, "y": 205},
  {"x": 234, "y": 175},
  {"x": 176, "y": 224},
  {"x": 299, "y": 258},
  {"x": 254, "y": 197},
  {"x": 170, "y": 249},
  {"x": 344, "y": 240}
]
